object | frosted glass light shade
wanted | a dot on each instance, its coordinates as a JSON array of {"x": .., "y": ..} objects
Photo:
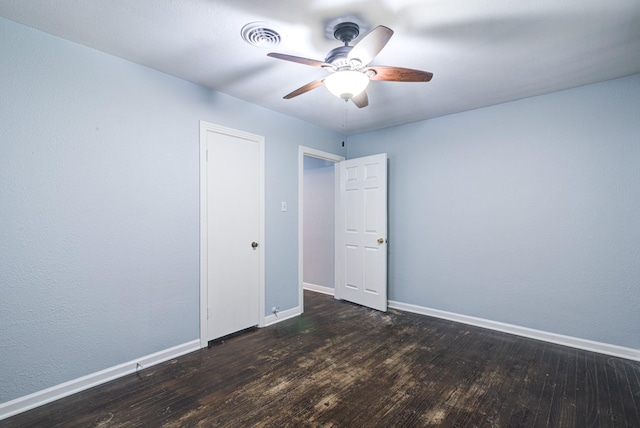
[{"x": 346, "y": 84}]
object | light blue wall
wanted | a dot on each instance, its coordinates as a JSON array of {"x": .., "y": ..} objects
[
  {"x": 99, "y": 207},
  {"x": 526, "y": 213}
]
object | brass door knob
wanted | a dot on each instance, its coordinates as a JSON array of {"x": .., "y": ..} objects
[
  {"x": 380, "y": 240},
  {"x": 254, "y": 245}
]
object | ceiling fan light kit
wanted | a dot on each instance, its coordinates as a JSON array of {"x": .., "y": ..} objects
[
  {"x": 348, "y": 65},
  {"x": 346, "y": 84}
]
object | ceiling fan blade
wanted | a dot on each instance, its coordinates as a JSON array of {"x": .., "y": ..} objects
[
  {"x": 305, "y": 88},
  {"x": 300, "y": 60},
  {"x": 399, "y": 74},
  {"x": 370, "y": 45},
  {"x": 361, "y": 100}
]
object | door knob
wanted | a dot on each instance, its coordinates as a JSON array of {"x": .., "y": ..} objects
[
  {"x": 254, "y": 245},
  {"x": 380, "y": 240}
]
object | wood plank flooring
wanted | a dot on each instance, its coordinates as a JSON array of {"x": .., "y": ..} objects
[{"x": 342, "y": 365}]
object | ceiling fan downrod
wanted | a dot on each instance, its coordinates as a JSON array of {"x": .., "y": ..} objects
[{"x": 345, "y": 32}]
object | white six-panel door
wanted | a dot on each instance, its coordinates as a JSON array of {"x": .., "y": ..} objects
[
  {"x": 361, "y": 231},
  {"x": 232, "y": 254}
]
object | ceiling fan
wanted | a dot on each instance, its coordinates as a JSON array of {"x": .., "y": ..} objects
[{"x": 348, "y": 65}]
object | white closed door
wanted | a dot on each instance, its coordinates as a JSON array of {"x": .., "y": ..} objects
[
  {"x": 233, "y": 221},
  {"x": 361, "y": 231}
]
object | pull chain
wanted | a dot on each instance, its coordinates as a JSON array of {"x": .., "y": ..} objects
[{"x": 345, "y": 123}]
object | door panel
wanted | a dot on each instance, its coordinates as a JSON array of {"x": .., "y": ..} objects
[
  {"x": 233, "y": 222},
  {"x": 361, "y": 236}
]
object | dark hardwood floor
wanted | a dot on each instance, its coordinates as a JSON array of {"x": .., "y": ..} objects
[{"x": 342, "y": 365}]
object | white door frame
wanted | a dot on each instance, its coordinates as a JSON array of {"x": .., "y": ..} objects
[
  {"x": 204, "y": 276},
  {"x": 302, "y": 152}
]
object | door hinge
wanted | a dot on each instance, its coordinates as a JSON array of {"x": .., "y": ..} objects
[
  {"x": 207, "y": 312},
  {"x": 206, "y": 155}
]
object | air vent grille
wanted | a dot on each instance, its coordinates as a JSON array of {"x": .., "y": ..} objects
[{"x": 261, "y": 34}]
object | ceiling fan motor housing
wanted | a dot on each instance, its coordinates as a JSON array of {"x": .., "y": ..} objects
[{"x": 338, "y": 57}]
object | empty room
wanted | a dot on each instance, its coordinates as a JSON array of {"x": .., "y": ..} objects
[{"x": 323, "y": 213}]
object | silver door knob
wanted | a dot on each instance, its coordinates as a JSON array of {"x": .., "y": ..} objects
[{"x": 254, "y": 245}]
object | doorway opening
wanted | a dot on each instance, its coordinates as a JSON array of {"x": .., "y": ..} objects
[{"x": 316, "y": 221}]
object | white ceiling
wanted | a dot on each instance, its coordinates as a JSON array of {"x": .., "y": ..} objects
[{"x": 481, "y": 52}]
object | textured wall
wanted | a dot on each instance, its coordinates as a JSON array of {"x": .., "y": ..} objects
[
  {"x": 526, "y": 213},
  {"x": 99, "y": 215}
]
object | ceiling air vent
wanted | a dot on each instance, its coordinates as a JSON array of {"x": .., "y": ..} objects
[{"x": 260, "y": 34}]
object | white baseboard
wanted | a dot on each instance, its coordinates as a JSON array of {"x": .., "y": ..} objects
[
  {"x": 319, "y": 288},
  {"x": 574, "y": 342},
  {"x": 28, "y": 402},
  {"x": 284, "y": 315}
]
